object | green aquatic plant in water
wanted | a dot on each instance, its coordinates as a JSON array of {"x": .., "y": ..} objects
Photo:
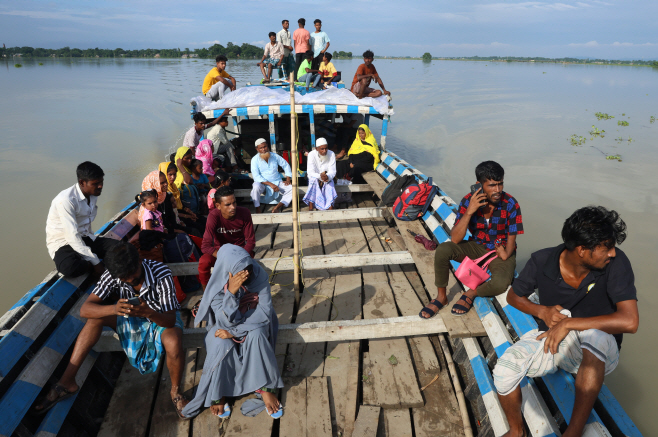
[
  {"x": 17, "y": 65},
  {"x": 614, "y": 157},
  {"x": 622, "y": 123},
  {"x": 652, "y": 120},
  {"x": 577, "y": 140},
  {"x": 603, "y": 116},
  {"x": 595, "y": 132},
  {"x": 40, "y": 63}
]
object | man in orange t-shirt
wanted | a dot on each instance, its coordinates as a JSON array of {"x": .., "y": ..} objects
[
  {"x": 300, "y": 37},
  {"x": 364, "y": 74}
]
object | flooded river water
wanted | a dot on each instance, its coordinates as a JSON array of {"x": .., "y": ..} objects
[{"x": 126, "y": 114}]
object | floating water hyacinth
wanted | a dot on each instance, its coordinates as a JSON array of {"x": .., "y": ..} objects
[
  {"x": 603, "y": 116},
  {"x": 622, "y": 123},
  {"x": 614, "y": 157},
  {"x": 17, "y": 65}
]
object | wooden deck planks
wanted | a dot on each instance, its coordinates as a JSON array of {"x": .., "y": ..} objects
[
  {"x": 396, "y": 423},
  {"x": 306, "y": 402},
  {"x": 367, "y": 422},
  {"x": 130, "y": 407},
  {"x": 293, "y": 421}
]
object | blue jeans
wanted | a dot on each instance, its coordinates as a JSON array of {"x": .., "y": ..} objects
[{"x": 308, "y": 77}]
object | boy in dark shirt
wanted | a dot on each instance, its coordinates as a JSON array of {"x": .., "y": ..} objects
[
  {"x": 587, "y": 301},
  {"x": 227, "y": 224}
]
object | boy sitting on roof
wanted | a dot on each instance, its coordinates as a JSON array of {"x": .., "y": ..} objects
[
  {"x": 587, "y": 301},
  {"x": 217, "y": 81},
  {"x": 272, "y": 57},
  {"x": 328, "y": 71},
  {"x": 193, "y": 135},
  {"x": 364, "y": 74},
  {"x": 146, "y": 329},
  {"x": 306, "y": 74},
  {"x": 265, "y": 171}
]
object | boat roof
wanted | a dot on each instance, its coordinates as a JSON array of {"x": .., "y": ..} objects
[{"x": 285, "y": 109}]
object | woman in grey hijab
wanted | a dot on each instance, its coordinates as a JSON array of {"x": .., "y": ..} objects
[{"x": 242, "y": 329}]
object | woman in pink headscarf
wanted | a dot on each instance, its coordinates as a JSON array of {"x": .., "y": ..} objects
[{"x": 204, "y": 152}]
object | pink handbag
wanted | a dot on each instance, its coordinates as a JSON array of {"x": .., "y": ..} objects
[{"x": 471, "y": 274}]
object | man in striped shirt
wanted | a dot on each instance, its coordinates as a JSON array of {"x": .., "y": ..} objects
[{"x": 146, "y": 329}]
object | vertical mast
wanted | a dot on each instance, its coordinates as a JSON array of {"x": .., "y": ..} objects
[{"x": 295, "y": 199}]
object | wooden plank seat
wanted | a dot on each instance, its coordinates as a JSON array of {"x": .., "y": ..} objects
[
  {"x": 317, "y": 216},
  {"x": 314, "y": 262},
  {"x": 354, "y": 188}
]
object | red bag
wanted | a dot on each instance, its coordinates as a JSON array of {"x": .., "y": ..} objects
[
  {"x": 471, "y": 274},
  {"x": 415, "y": 200}
]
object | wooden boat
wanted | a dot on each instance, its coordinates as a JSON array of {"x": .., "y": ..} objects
[{"x": 356, "y": 358}]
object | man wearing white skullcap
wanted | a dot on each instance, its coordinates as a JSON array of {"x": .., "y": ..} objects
[
  {"x": 321, "y": 170},
  {"x": 265, "y": 172}
]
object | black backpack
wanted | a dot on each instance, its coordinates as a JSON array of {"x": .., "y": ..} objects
[{"x": 395, "y": 188}]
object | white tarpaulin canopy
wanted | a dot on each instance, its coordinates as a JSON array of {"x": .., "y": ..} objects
[{"x": 264, "y": 96}]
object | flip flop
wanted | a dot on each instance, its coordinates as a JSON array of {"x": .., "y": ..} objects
[
  {"x": 276, "y": 415},
  {"x": 195, "y": 309},
  {"x": 180, "y": 411},
  {"x": 62, "y": 393},
  {"x": 226, "y": 413},
  {"x": 436, "y": 302},
  {"x": 460, "y": 307}
]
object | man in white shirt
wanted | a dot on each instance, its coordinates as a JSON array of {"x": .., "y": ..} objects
[
  {"x": 285, "y": 38},
  {"x": 272, "y": 57},
  {"x": 69, "y": 238},
  {"x": 193, "y": 135},
  {"x": 321, "y": 171},
  {"x": 267, "y": 179}
]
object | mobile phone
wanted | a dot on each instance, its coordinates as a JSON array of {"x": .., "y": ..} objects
[
  {"x": 134, "y": 301},
  {"x": 474, "y": 189}
]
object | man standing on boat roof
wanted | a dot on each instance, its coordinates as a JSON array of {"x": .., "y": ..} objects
[
  {"x": 301, "y": 38},
  {"x": 218, "y": 81},
  {"x": 493, "y": 218},
  {"x": 365, "y": 73},
  {"x": 70, "y": 240},
  {"x": 587, "y": 301},
  {"x": 145, "y": 317},
  {"x": 285, "y": 38},
  {"x": 319, "y": 43},
  {"x": 267, "y": 179}
]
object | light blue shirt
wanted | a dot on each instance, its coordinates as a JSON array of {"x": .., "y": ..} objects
[
  {"x": 319, "y": 42},
  {"x": 262, "y": 171}
]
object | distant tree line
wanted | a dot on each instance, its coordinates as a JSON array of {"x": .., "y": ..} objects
[
  {"x": 231, "y": 50},
  {"x": 553, "y": 60},
  {"x": 342, "y": 54}
]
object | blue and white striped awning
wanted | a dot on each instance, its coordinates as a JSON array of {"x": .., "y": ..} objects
[{"x": 285, "y": 109}]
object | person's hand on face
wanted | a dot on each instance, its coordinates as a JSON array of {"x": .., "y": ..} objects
[{"x": 236, "y": 281}]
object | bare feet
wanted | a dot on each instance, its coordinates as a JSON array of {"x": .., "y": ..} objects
[
  {"x": 277, "y": 208},
  {"x": 272, "y": 404}
]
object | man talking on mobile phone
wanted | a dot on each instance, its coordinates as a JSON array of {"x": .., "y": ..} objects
[
  {"x": 145, "y": 317},
  {"x": 493, "y": 218}
]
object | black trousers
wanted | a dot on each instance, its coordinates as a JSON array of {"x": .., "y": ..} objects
[
  {"x": 70, "y": 263},
  {"x": 315, "y": 65},
  {"x": 299, "y": 58}
]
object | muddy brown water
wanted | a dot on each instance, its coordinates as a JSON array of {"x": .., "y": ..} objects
[{"x": 126, "y": 115}]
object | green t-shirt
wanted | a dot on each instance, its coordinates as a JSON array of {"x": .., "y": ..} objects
[{"x": 302, "y": 68}]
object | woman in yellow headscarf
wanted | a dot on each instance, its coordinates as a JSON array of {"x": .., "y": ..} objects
[
  {"x": 171, "y": 172},
  {"x": 183, "y": 160},
  {"x": 363, "y": 154}
]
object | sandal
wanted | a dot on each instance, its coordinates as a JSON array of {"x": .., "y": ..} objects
[
  {"x": 62, "y": 393},
  {"x": 467, "y": 300},
  {"x": 195, "y": 309},
  {"x": 429, "y": 311},
  {"x": 179, "y": 411},
  {"x": 226, "y": 413}
]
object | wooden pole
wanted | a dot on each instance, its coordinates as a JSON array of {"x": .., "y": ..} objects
[
  {"x": 461, "y": 400},
  {"x": 295, "y": 195}
]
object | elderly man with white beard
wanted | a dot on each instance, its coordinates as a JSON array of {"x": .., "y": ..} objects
[
  {"x": 321, "y": 170},
  {"x": 265, "y": 172}
]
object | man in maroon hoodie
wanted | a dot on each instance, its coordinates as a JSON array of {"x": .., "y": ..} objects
[{"x": 228, "y": 223}]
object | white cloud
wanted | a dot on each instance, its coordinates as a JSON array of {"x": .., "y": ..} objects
[
  {"x": 528, "y": 6},
  {"x": 474, "y": 46},
  {"x": 211, "y": 43},
  {"x": 614, "y": 44},
  {"x": 587, "y": 44},
  {"x": 258, "y": 43}
]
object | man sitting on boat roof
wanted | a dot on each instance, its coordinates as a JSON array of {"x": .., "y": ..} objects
[
  {"x": 493, "y": 218},
  {"x": 587, "y": 301},
  {"x": 193, "y": 135},
  {"x": 71, "y": 243},
  {"x": 365, "y": 73},
  {"x": 267, "y": 179},
  {"x": 227, "y": 223},
  {"x": 218, "y": 81},
  {"x": 147, "y": 328},
  {"x": 272, "y": 57}
]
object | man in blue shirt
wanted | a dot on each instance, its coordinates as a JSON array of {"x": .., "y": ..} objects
[
  {"x": 265, "y": 171},
  {"x": 319, "y": 44}
]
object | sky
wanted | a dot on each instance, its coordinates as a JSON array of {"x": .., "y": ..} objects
[{"x": 588, "y": 28}]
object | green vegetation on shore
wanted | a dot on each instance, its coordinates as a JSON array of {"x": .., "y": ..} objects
[{"x": 538, "y": 59}]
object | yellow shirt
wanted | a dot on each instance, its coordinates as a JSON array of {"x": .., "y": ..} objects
[
  {"x": 328, "y": 70},
  {"x": 212, "y": 78}
]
